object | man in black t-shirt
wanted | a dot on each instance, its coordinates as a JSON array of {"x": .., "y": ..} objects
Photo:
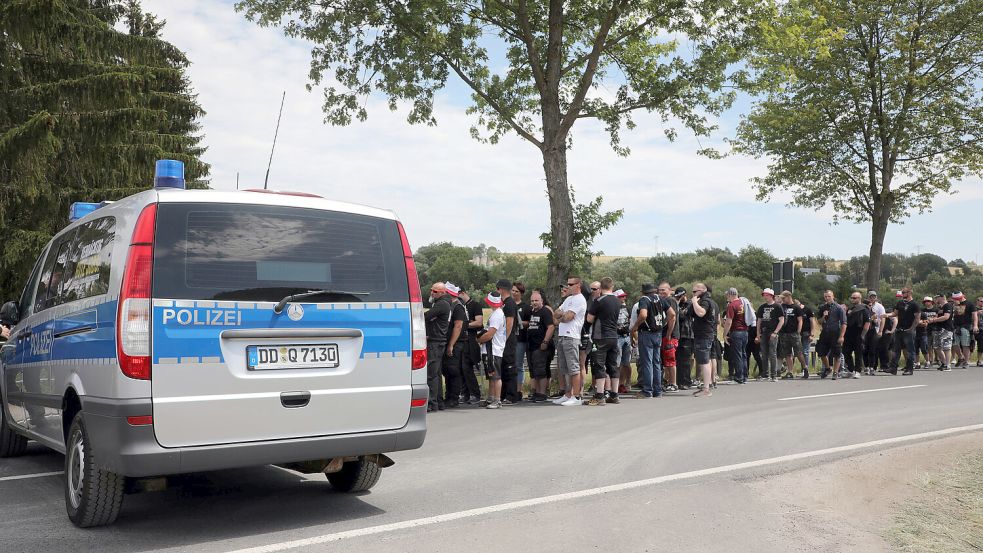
[
  {"x": 923, "y": 337},
  {"x": 518, "y": 290},
  {"x": 806, "y": 335},
  {"x": 942, "y": 324},
  {"x": 437, "y": 321},
  {"x": 540, "y": 345},
  {"x": 454, "y": 360},
  {"x": 603, "y": 315},
  {"x": 705, "y": 314},
  {"x": 472, "y": 351},
  {"x": 771, "y": 319},
  {"x": 510, "y": 384},
  {"x": 906, "y": 312},
  {"x": 857, "y": 325},
  {"x": 966, "y": 326},
  {"x": 790, "y": 337}
]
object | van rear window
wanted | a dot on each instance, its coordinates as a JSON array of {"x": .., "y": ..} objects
[{"x": 262, "y": 253}]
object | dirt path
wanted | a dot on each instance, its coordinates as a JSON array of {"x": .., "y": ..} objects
[{"x": 849, "y": 504}]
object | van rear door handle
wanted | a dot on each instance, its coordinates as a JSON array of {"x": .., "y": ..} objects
[{"x": 293, "y": 400}]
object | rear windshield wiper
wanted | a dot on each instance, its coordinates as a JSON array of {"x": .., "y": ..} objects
[{"x": 278, "y": 308}]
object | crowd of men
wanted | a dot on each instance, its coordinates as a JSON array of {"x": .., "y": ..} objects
[{"x": 668, "y": 332}]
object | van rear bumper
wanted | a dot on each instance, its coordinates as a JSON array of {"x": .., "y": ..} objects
[{"x": 134, "y": 451}]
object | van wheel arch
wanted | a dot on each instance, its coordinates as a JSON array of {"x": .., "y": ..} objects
[
  {"x": 12, "y": 444},
  {"x": 71, "y": 404}
]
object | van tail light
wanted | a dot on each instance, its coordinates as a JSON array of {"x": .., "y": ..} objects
[
  {"x": 417, "y": 326},
  {"x": 133, "y": 326}
]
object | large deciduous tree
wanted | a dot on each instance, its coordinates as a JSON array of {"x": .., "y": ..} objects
[
  {"x": 534, "y": 68},
  {"x": 85, "y": 111},
  {"x": 872, "y": 107}
]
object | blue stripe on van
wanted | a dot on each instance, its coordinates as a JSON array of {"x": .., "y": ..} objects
[
  {"x": 194, "y": 331},
  {"x": 94, "y": 336}
]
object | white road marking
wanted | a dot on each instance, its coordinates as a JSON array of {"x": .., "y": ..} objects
[
  {"x": 854, "y": 392},
  {"x": 513, "y": 505},
  {"x": 26, "y": 476}
]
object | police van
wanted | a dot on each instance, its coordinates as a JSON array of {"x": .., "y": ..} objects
[{"x": 183, "y": 330}]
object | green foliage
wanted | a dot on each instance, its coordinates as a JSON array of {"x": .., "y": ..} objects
[
  {"x": 754, "y": 264},
  {"x": 628, "y": 273},
  {"x": 700, "y": 269},
  {"x": 873, "y": 108},
  {"x": 85, "y": 112},
  {"x": 588, "y": 223},
  {"x": 665, "y": 264}
]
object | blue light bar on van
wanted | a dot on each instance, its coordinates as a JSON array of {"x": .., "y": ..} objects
[
  {"x": 169, "y": 173},
  {"x": 81, "y": 209}
]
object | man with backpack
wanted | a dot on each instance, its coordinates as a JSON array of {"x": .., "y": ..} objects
[
  {"x": 736, "y": 334},
  {"x": 654, "y": 312}
]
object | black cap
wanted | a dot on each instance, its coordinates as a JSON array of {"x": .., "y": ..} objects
[
  {"x": 649, "y": 288},
  {"x": 679, "y": 292},
  {"x": 503, "y": 284}
]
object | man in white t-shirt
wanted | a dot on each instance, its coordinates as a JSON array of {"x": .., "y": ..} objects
[
  {"x": 570, "y": 316},
  {"x": 496, "y": 335}
]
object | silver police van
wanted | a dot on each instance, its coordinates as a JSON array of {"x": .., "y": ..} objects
[{"x": 183, "y": 330}]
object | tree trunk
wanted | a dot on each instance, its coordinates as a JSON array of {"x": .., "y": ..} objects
[
  {"x": 561, "y": 217},
  {"x": 878, "y": 230}
]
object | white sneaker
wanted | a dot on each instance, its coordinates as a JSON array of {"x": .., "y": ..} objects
[
  {"x": 856, "y": 374},
  {"x": 559, "y": 400},
  {"x": 571, "y": 401}
]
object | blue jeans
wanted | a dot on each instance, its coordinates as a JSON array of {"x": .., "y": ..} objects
[
  {"x": 650, "y": 362},
  {"x": 904, "y": 341},
  {"x": 738, "y": 360}
]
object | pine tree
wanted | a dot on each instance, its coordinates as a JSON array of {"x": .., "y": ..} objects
[{"x": 85, "y": 110}]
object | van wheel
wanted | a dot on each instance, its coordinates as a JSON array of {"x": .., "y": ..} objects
[
  {"x": 12, "y": 444},
  {"x": 355, "y": 476},
  {"x": 93, "y": 496}
]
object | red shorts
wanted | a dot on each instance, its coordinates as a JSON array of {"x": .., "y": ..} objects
[{"x": 669, "y": 346}]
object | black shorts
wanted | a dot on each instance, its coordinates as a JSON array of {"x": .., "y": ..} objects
[
  {"x": 716, "y": 350},
  {"x": 586, "y": 344},
  {"x": 701, "y": 349},
  {"x": 539, "y": 363},
  {"x": 493, "y": 369},
  {"x": 829, "y": 344}
]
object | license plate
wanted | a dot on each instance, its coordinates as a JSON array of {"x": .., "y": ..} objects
[{"x": 307, "y": 356}]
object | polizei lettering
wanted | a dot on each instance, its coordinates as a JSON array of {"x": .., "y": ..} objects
[{"x": 201, "y": 317}]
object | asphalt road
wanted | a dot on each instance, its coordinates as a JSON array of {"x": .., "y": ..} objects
[{"x": 459, "y": 491}]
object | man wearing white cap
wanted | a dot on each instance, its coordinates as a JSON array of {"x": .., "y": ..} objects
[
  {"x": 771, "y": 318},
  {"x": 942, "y": 325},
  {"x": 496, "y": 334},
  {"x": 454, "y": 362},
  {"x": 967, "y": 325}
]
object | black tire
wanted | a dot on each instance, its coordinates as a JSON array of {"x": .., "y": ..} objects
[
  {"x": 12, "y": 444},
  {"x": 93, "y": 496},
  {"x": 355, "y": 476}
]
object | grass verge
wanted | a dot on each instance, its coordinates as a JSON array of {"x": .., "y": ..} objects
[{"x": 947, "y": 515}]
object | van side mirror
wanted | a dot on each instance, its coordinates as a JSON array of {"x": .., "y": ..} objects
[{"x": 10, "y": 314}]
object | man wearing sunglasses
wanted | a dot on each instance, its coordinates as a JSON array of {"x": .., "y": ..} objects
[{"x": 570, "y": 315}]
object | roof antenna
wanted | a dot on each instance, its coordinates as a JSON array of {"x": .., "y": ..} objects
[{"x": 275, "y": 133}]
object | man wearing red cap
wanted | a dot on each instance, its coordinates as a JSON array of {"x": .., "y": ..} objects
[{"x": 496, "y": 334}]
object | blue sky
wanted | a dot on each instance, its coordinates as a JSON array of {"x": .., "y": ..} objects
[{"x": 445, "y": 186}]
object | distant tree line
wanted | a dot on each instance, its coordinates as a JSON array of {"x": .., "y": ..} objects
[{"x": 749, "y": 270}]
